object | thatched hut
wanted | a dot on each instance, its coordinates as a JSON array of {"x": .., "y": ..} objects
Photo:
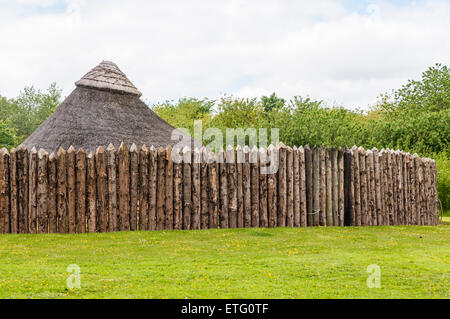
[{"x": 104, "y": 108}]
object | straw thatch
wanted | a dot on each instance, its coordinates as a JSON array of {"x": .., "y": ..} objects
[{"x": 104, "y": 108}]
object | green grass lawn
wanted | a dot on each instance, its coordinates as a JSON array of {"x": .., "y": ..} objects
[{"x": 245, "y": 263}]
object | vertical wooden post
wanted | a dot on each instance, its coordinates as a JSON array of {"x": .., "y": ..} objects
[
  {"x": 357, "y": 186},
  {"x": 349, "y": 209},
  {"x": 240, "y": 159},
  {"x": 134, "y": 180},
  {"x": 363, "y": 181},
  {"x": 296, "y": 174},
  {"x": 422, "y": 191},
  {"x": 102, "y": 190},
  {"x": 290, "y": 187},
  {"x": 316, "y": 185},
  {"x": 232, "y": 187},
  {"x": 71, "y": 190},
  {"x": 52, "y": 197},
  {"x": 223, "y": 180},
  {"x": 263, "y": 192},
  {"x": 112, "y": 188},
  {"x": 160, "y": 191},
  {"x": 246, "y": 182},
  {"x": 341, "y": 188},
  {"x": 152, "y": 185},
  {"x": 406, "y": 188},
  {"x": 329, "y": 172},
  {"x": 91, "y": 193},
  {"x": 303, "y": 201},
  {"x": 14, "y": 214},
  {"x": 387, "y": 189},
  {"x": 323, "y": 187},
  {"x": 214, "y": 191},
  {"x": 272, "y": 188},
  {"x": 282, "y": 186},
  {"x": 81, "y": 191},
  {"x": 32, "y": 221},
  {"x": 377, "y": 181},
  {"x": 372, "y": 190},
  {"x": 187, "y": 198},
  {"x": 169, "y": 189},
  {"x": 178, "y": 190},
  {"x": 196, "y": 190},
  {"x": 42, "y": 192},
  {"x": 204, "y": 183},
  {"x": 335, "y": 171},
  {"x": 4, "y": 192},
  {"x": 22, "y": 178},
  {"x": 254, "y": 165},
  {"x": 435, "y": 193},
  {"x": 62, "y": 191},
  {"x": 124, "y": 187},
  {"x": 143, "y": 188},
  {"x": 309, "y": 187}
]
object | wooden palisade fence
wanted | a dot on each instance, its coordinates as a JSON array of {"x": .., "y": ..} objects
[{"x": 143, "y": 189}]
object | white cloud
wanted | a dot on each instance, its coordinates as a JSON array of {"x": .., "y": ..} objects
[{"x": 199, "y": 48}]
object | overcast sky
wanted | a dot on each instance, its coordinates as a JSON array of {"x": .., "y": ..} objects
[{"x": 345, "y": 52}]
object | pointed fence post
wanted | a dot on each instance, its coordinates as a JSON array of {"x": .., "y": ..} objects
[
  {"x": 263, "y": 192},
  {"x": 42, "y": 192},
  {"x": 240, "y": 159},
  {"x": 272, "y": 189},
  {"x": 232, "y": 187},
  {"x": 161, "y": 191},
  {"x": 91, "y": 194},
  {"x": 169, "y": 189},
  {"x": 81, "y": 191},
  {"x": 4, "y": 192},
  {"x": 23, "y": 187},
  {"x": 204, "y": 220},
  {"x": 52, "y": 196},
  {"x": 112, "y": 188},
  {"x": 323, "y": 187},
  {"x": 303, "y": 192},
  {"x": 196, "y": 189},
  {"x": 62, "y": 201},
  {"x": 296, "y": 174},
  {"x": 309, "y": 185},
  {"x": 187, "y": 190},
  {"x": 290, "y": 186},
  {"x": 134, "y": 180},
  {"x": 329, "y": 186},
  {"x": 246, "y": 184},
  {"x": 32, "y": 221},
  {"x": 143, "y": 188},
  {"x": 214, "y": 191},
  {"x": 102, "y": 190},
  {"x": 14, "y": 214},
  {"x": 178, "y": 190},
  {"x": 224, "y": 205},
  {"x": 152, "y": 187},
  {"x": 282, "y": 186},
  {"x": 255, "y": 169},
  {"x": 341, "y": 192}
]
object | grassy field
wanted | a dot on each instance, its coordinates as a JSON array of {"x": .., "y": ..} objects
[{"x": 248, "y": 263}]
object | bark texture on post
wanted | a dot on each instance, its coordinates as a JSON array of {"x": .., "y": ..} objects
[
  {"x": 42, "y": 192},
  {"x": 52, "y": 197},
  {"x": 152, "y": 186},
  {"x": 263, "y": 211},
  {"x": 363, "y": 176},
  {"x": 296, "y": 176},
  {"x": 255, "y": 169},
  {"x": 81, "y": 191},
  {"x": 62, "y": 191},
  {"x": 232, "y": 187},
  {"x": 112, "y": 189},
  {"x": 335, "y": 172},
  {"x": 92, "y": 193},
  {"x": 377, "y": 180},
  {"x": 371, "y": 188},
  {"x": 169, "y": 189},
  {"x": 341, "y": 191},
  {"x": 71, "y": 191},
  {"x": 196, "y": 190},
  {"x": 4, "y": 192},
  {"x": 214, "y": 191},
  {"x": 204, "y": 189},
  {"x": 178, "y": 190},
  {"x": 323, "y": 187},
  {"x": 329, "y": 187},
  {"x": 316, "y": 185},
  {"x": 240, "y": 158},
  {"x": 14, "y": 193},
  {"x": 23, "y": 197},
  {"x": 223, "y": 180},
  {"x": 303, "y": 203},
  {"x": 272, "y": 189},
  {"x": 134, "y": 180},
  {"x": 102, "y": 190},
  {"x": 143, "y": 188},
  {"x": 187, "y": 198},
  {"x": 290, "y": 186},
  {"x": 32, "y": 221},
  {"x": 124, "y": 187},
  {"x": 357, "y": 186},
  {"x": 161, "y": 191},
  {"x": 246, "y": 185},
  {"x": 309, "y": 185},
  {"x": 282, "y": 186}
]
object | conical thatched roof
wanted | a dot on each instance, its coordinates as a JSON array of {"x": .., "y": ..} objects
[{"x": 104, "y": 108}]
